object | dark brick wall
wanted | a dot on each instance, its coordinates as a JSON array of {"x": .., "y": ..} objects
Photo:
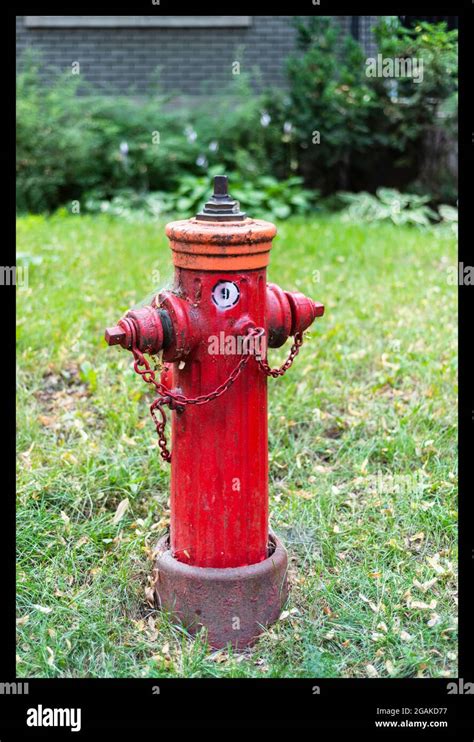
[{"x": 191, "y": 60}]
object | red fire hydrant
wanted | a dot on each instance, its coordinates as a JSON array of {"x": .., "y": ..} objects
[{"x": 220, "y": 567}]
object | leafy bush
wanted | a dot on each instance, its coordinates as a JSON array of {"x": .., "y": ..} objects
[
  {"x": 436, "y": 47},
  {"x": 71, "y": 142},
  {"x": 399, "y": 208},
  {"x": 55, "y": 142},
  {"x": 252, "y": 133},
  {"x": 373, "y": 130},
  {"x": 421, "y": 118},
  {"x": 75, "y": 145},
  {"x": 119, "y": 152},
  {"x": 265, "y": 197},
  {"x": 331, "y": 104}
]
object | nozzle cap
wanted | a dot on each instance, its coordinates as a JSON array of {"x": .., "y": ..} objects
[{"x": 114, "y": 335}]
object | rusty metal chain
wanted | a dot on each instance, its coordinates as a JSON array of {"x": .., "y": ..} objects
[
  {"x": 160, "y": 425},
  {"x": 178, "y": 401},
  {"x": 294, "y": 350}
]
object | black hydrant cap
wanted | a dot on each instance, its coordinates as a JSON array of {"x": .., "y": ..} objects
[{"x": 221, "y": 207}]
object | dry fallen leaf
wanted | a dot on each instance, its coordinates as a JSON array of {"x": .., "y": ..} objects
[
  {"x": 152, "y": 631},
  {"x": 121, "y": 510},
  {"x": 421, "y": 605},
  {"x": 375, "y": 608},
  {"x": 302, "y": 494},
  {"x": 425, "y": 586},
  {"x": 150, "y": 596},
  {"x": 21, "y": 621},
  {"x": 434, "y": 564},
  {"x": 42, "y": 608},
  {"x": 371, "y": 671},
  {"x": 321, "y": 469},
  {"x": 219, "y": 657},
  {"x": 48, "y": 422}
]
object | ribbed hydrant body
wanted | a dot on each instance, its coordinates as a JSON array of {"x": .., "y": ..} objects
[
  {"x": 220, "y": 567},
  {"x": 219, "y": 477}
]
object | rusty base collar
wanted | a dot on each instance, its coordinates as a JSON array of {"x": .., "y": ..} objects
[{"x": 233, "y": 604}]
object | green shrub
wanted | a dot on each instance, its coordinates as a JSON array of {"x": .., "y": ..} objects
[
  {"x": 55, "y": 142},
  {"x": 331, "y": 104},
  {"x": 264, "y": 197},
  {"x": 246, "y": 133},
  {"x": 121, "y": 152},
  {"x": 71, "y": 142},
  {"x": 436, "y": 47},
  {"x": 389, "y": 205},
  {"x": 421, "y": 118},
  {"x": 373, "y": 130}
]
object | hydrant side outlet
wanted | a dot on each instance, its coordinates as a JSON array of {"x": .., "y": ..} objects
[{"x": 220, "y": 567}]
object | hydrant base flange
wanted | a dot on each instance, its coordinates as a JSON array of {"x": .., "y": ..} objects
[{"x": 234, "y": 604}]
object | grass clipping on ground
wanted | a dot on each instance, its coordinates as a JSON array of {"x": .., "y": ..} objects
[{"x": 362, "y": 459}]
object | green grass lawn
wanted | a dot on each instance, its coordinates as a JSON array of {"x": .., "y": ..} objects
[{"x": 362, "y": 459}]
